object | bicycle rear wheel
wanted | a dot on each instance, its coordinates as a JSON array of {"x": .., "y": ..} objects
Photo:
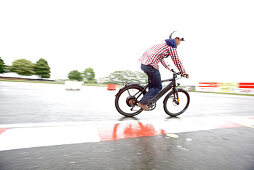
[
  {"x": 174, "y": 107},
  {"x": 126, "y": 101}
]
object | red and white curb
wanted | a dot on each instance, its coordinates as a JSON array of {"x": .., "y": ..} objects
[{"x": 17, "y": 136}]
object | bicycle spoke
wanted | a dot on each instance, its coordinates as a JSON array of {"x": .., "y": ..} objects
[
  {"x": 132, "y": 109},
  {"x": 129, "y": 92}
]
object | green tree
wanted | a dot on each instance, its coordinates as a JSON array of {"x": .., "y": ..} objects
[
  {"x": 22, "y": 67},
  {"x": 75, "y": 75},
  {"x": 2, "y": 66},
  {"x": 42, "y": 68},
  {"x": 7, "y": 68},
  {"x": 119, "y": 77},
  {"x": 89, "y": 75}
]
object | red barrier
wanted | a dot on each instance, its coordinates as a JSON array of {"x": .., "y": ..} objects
[
  {"x": 246, "y": 85},
  {"x": 245, "y": 88},
  {"x": 111, "y": 86}
]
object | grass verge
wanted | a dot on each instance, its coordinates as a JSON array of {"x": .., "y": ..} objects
[
  {"x": 225, "y": 93},
  {"x": 33, "y": 81}
]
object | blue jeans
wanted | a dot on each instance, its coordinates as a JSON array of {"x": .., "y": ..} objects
[{"x": 154, "y": 77}]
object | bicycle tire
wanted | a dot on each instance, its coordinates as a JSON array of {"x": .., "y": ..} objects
[
  {"x": 168, "y": 98},
  {"x": 119, "y": 94}
]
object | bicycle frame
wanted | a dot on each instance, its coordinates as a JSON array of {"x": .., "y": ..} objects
[{"x": 170, "y": 86}]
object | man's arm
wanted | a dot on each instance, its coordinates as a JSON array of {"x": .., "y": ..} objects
[
  {"x": 177, "y": 62},
  {"x": 164, "y": 64}
]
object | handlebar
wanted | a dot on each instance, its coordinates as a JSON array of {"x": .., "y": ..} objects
[{"x": 177, "y": 73}]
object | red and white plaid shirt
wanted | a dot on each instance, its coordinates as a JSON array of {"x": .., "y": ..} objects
[{"x": 157, "y": 53}]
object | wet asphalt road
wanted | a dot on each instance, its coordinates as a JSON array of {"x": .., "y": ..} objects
[
  {"x": 32, "y": 102},
  {"x": 225, "y": 148}
]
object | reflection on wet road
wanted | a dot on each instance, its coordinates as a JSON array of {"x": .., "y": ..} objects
[{"x": 16, "y": 136}]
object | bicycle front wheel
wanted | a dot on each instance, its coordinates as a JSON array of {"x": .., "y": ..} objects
[
  {"x": 175, "y": 106},
  {"x": 126, "y": 101}
]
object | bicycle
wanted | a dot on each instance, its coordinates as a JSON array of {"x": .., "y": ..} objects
[{"x": 175, "y": 103}]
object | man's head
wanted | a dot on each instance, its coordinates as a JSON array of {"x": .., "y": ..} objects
[
  {"x": 178, "y": 40},
  {"x": 178, "y": 37}
]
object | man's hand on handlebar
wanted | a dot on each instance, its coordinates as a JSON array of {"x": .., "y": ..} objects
[{"x": 186, "y": 75}]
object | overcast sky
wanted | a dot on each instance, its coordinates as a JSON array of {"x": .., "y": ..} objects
[{"x": 110, "y": 35}]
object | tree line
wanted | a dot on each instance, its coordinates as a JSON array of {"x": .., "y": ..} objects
[
  {"x": 41, "y": 68},
  {"x": 88, "y": 75},
  {"x": 117, "y": 77},
  {"x": 27, "y": 68}
]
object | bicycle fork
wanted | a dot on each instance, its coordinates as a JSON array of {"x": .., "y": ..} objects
[{"x": 175, "y": 96}]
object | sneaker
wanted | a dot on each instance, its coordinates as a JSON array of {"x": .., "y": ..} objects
[{"x": 144, "y": 107}]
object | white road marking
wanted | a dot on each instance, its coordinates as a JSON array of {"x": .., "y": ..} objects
[{"x": 17, "y": 136}]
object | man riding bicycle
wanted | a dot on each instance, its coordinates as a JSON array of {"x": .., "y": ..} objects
[{"x": 149, "y": 64}]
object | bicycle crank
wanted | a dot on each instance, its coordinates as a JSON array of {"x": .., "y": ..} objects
[{"x": 152, "y": 106}]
